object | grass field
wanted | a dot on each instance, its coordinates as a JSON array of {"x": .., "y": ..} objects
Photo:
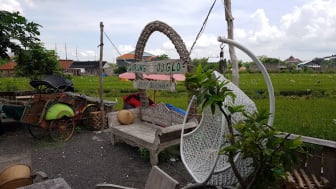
[{"x": 305, "y": 103}]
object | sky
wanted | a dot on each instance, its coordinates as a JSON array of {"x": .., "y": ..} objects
[{"x": 304, "y": 29}]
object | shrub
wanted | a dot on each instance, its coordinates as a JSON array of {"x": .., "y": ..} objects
[{"x": 271, "y": 155}]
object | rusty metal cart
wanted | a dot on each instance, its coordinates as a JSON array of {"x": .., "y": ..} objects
[{"x": 54, "y": 108}]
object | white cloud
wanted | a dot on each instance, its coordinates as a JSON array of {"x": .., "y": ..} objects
[
  {"x": 10, "y": 5},
  {"x": 87, "y": 54},
  {"x": 206, "y": 41},
  {"x": 313, "y": 20},
  {"x": 304, "y": 29},
  {"x": 311, "y": 27},
  {"x": 30, "y": 3},
  {"x": 264, "y": 31},
  {"x": 240, "y": 33},
  {"x": 125, "y": 49},
  {"x": 156, "y": 51},
  {"x": 168, "y": 45}
]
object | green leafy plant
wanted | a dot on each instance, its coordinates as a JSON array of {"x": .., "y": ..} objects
[
  {"x": 16, "y": 33},
  {"x": 144, "y": 153},
  {"x": 11, "y": 86},
  {"x": 78, "y": 129},
  {"x": 36, "y": 62},
  {"x": 272, "y": 156}
]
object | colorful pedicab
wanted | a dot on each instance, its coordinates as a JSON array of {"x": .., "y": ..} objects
[{"x": 54, "y": 109}]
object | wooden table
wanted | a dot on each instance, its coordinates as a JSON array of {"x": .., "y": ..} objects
[{"x": 57, "y": 183}]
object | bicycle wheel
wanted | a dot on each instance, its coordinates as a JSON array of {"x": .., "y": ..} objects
[
  {"x": 85, "y": 117},
  {"x": 37, "y": 132},
  {"x": 61, "y": 130}
]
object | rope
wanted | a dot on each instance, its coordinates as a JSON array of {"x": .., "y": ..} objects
[
  {"x": 115, "y": 47},
  {"x": 202, "y": 28},
  {"x": 112, "y": 44}
]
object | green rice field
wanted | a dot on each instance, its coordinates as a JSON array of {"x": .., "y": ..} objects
[{"x": 305, "y": 103}]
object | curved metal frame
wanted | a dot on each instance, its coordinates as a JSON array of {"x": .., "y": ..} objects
[
  {"x": 271, "y": 110},
  {"x": 263, "y": 71}
]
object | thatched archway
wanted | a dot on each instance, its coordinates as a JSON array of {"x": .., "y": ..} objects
[{"x": 174, "y": 38}]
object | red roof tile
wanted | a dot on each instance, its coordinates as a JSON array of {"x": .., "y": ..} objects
[
  {"x": 292, "y": 59},
  {"x": 8, "y": 66},
  {"x": 126, "y": 56},
  {"x": 65, "y": 64},
  {"x": 151, "y": 58}
]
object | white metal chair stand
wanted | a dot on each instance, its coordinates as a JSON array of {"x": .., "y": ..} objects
[{"x": 200, "y": 148}]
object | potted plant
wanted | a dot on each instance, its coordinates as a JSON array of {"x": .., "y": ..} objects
[{"x": 272, "y": 156}]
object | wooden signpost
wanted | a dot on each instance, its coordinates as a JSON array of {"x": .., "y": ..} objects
[
  {"x": 155, "y": 85},
  {"x": 166, "y": 67}
]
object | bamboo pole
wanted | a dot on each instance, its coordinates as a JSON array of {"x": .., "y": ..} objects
[
  {"x": 233, "y": 57},
  {"x": 101, "y": 76}
]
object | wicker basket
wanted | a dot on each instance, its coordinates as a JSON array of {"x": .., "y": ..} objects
[
  {"x": 95, "y": 120},
  {"x": 108, "y": 107}
]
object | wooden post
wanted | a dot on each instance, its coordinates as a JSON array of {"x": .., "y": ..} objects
[
  {"x": 101, "y": 75},
  {"x": 233, "y": 57}
]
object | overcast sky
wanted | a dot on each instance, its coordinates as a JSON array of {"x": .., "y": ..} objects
[{"x": 304, "y": 29}]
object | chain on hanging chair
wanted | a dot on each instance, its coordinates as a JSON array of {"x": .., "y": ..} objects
[{"x": 200, "y": 148}]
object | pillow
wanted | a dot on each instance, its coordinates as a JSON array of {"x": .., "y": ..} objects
[
  {"x": 125, "y": 117},
  {"x": 134, "y": 102}
]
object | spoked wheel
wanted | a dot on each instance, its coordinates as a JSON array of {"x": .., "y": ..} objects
[
  {"x": 37, "y": 132},
  {"x": 61, "y": 130}
]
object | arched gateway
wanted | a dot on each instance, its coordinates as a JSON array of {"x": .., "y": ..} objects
[{"x": 174, "y": 38}]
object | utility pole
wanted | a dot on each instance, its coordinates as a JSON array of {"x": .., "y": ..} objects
[
  {"x": 66, "y": 51},
  {"x": 101, "y": 76},
  {"x": 233, "y": 57}
]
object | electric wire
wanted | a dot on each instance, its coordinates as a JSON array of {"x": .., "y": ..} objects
[
  {"x": 115, "y": 47},
  {"x": 112, "y": 43},
  {"x": 203, "y": 27}
]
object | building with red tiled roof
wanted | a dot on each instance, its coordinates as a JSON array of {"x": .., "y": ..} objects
[
  {"x": 7, "y": 69},
  {"x": 65, "y": 64},
  {"x": 293, "y": 60},
  {"x": 125, "y": 59},
  {"x": 86, "y": 67}
]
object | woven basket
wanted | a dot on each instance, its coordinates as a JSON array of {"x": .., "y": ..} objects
[{"x": 95, "y": 122}]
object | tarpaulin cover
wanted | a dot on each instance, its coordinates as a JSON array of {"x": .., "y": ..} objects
[{"x": 55, "y": 82}]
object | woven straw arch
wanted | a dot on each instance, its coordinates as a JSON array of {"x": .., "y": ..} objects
[{"x": 175, "y": 39}]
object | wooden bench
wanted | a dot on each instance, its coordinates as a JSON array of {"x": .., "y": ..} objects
[
  {"x": 154, "y": 128},
  {"x": 316, "y": 168},
  {"x": 157, "y": 179}
]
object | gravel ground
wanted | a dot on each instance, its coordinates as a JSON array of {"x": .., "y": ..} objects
[{"x": 87, "y": 159}]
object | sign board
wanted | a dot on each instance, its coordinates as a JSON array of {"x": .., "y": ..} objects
[
  {"x": 159, "y": 67},
  {"x": 155, "y": 85}
]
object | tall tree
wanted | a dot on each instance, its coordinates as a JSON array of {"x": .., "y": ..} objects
[
  {"x": 233, "y": 57},
  {"x": 36, "y": 62},
  {"x": 163, "y": 57},
  {"x": 16, "y": 33},
  {"x": 198, "y": 61}
]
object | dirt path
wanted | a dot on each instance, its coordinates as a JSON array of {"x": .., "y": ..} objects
[{"x": 88, "y": 159}]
